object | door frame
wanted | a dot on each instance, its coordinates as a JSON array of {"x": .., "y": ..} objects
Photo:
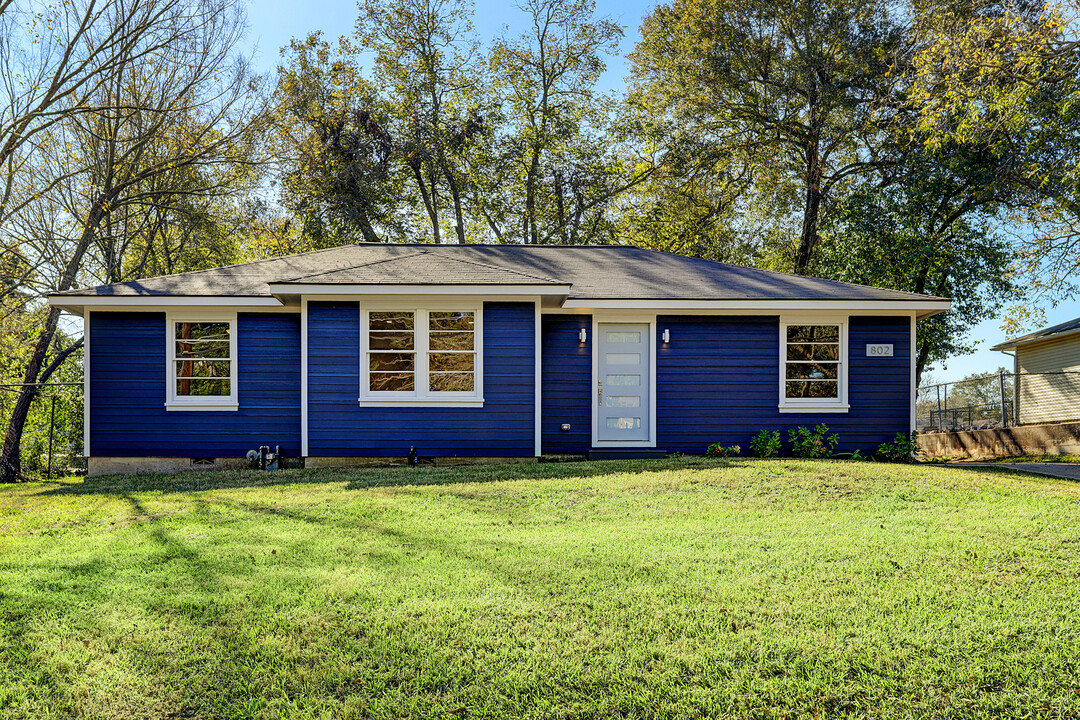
[{"x": 623, "y": 316}]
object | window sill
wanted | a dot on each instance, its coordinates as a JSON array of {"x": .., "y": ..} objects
[
  {"x": 202, "y": 407},
  {"x": 834, "y": 408},
  {"x": 422, "y": 402}
]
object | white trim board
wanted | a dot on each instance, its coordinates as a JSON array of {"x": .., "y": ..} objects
[
  {"x": 195, "y": 308},
  {"x": 104, "y": 301},
  {"x": 913, "y": 352},
  {"x": 191, "y": 403},
  {"x": 854, "y": 307},
  {"x": 483, "y": 290},
  {"x": 303, "y": 377},
  {"x": 537, "y": 360},
  {"x": 86, "y": 383}
]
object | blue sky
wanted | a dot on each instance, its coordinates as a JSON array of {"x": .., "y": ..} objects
[{"x": 275, "y": 22}]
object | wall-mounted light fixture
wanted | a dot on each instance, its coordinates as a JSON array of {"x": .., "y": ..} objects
[
  {"x": 582, "y": 336},
  {"x": 667, "y": 335}
]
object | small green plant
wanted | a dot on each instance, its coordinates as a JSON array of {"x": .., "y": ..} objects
[
  {"x": 900, "y": 450},
  {"x": 765, "y": 444},
  {"x": 718, "y": 450},
  {"x": 816, "y": 443}
]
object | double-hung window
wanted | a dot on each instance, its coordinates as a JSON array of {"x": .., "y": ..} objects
[
  {"x": 422, "y": 356},
  {"x": 812, "y": 366},
  {"x": 201, "y": 371}
]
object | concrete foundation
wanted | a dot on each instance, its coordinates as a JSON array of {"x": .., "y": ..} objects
[
  {"x": 1052, "y": 439},
  {"x": 334, "y": 462},
  {"x": 134, "y": 465}
]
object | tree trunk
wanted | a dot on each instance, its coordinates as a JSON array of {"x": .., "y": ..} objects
[
  {"x": 455, "y": 195},
  {"x": 811, "y": 211},
  {"x": 560, "y": 206},
  {"x": 429, "y": 200},
  {"x": 531, "y": 235},
  {"x": 10, "y": 460},
  {"x": 920, "y": 361}
]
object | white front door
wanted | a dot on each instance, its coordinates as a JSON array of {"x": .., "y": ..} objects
[{"x": 622, "y": 382}]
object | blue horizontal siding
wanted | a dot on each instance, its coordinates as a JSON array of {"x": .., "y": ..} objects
[
  {"x": 128, "y": 389},
  {"x": 566, "y": 376},
  {"x": 338, "y": 426},
  {"x": 718, "y": 381}
]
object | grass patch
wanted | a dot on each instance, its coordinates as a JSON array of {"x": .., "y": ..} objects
[{"x": 683, "y": 588}]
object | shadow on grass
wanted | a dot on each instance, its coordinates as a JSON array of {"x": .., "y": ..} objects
[{"x": 364, "y": 478}]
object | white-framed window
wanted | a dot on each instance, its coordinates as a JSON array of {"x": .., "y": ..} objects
[
  {"x": 813, "y": 365},
  {"x": 421, "y": 355},
  {"x": 201, "y": 356}
]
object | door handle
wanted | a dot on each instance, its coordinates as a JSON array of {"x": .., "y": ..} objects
[{"x": 600, "y": 397}]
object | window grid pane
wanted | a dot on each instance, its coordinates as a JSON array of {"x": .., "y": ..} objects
[
  {"x": 449, "y": 338},
  {"x": 812, "y": 362},
  {"x": 203, "y": 359}
]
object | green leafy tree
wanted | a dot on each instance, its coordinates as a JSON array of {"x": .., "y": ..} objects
[
  {"x": 334, "y": 153},
  {"x": 426, "y": 63},
  {"x": 786, "y": 90},
  {"x": 1004, "y": 77},
  {"x": 928, "y": 231},
  {"x": 558, "y": 167},
  {"x": 160, "y": 135}
]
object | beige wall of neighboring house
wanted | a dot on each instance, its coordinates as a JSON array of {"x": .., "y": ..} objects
[{"x": 1049, "y": 379}]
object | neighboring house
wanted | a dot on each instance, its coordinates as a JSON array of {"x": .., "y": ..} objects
[
  {"x": 509, "y": 351},
  {"x": 1046, "y": 364}
]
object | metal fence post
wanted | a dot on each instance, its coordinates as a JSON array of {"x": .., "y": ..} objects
[
  {"x": 52, "y": 429},
  {"x": 1004, "y": 412}
]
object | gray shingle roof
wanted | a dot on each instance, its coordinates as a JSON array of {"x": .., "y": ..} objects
[
  {"x": 423, "y": 268},
  {"x": 593, "y": 272},
  {"x": 1045, "y": 334}
]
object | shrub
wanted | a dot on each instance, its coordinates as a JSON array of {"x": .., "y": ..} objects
[
  {"x": 718, "y": 450},
  {"x": 900, "y": 450},
  {"x": 816, "y": 443},
  {"x": 765, "y": 444}
]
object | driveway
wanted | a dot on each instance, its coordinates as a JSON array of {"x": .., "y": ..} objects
[{"x": 1069, "y": 471}]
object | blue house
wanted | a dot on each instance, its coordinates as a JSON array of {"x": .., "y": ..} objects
[{"x": 475, "y": 351}]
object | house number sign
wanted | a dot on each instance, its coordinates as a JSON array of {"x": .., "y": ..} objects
[{"x": 879, "y": 350}]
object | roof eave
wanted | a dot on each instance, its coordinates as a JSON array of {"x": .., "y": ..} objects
[
  {"x": 1026, "y": 340},
  {"x": 76, "y": 304},
  {"x": 922, "y": 308},
  {"x": 288, "y": 289}
]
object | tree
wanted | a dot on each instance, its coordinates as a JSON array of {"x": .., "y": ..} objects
[
  {"x": 55, "y": 61},
  {"x": 164, "y": 131},
  {"x": 336, "y": 158},
  {"x": 560, "y": 168},
  {"x": 1005, "y": 77},
  {"x": 786, "y": 88},
  {"x": 425, "y": 60},
  {"x": 928, "y": 231}
]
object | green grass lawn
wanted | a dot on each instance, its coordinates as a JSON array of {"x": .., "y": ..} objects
[{"x": 635, "y": 589}]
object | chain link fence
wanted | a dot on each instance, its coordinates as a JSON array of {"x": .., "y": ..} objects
[
  {"x": 1001, "y": 399},
  {"x": 52, "y": 441}
]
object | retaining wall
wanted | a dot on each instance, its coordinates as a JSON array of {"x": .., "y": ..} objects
[{"x": 1053, "y": 439}]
